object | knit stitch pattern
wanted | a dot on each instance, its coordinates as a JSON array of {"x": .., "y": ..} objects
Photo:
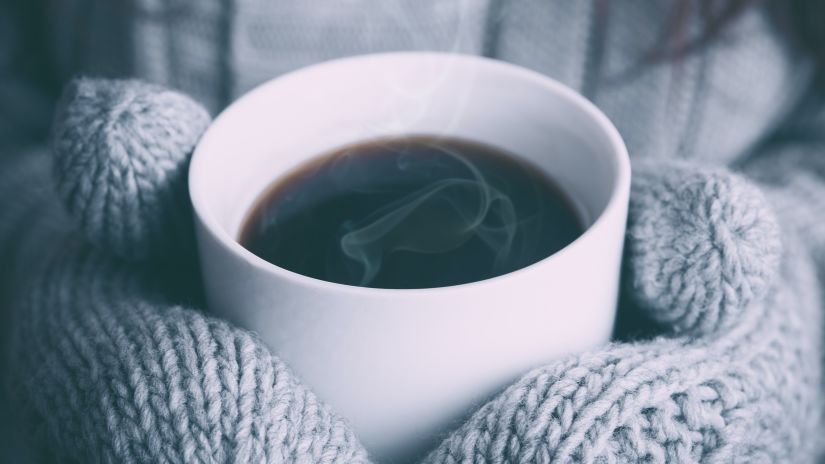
[
  {"x": 744, "y": 396},
  {"x": 120, "y": 374},
  {"x": 114, "y": 369},
  {"x": 127, "y": 134},
  {"x": 722, "y": 235}
]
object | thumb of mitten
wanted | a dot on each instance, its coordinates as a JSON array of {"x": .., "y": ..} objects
[
  {"x": 121, "y": 152},
  {"x": 702, "y": 244}
]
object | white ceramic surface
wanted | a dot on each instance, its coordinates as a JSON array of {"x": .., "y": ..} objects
[{"x": 407, "y": 365}]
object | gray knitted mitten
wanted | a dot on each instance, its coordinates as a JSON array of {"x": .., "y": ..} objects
[{"x": 112, "y": 368}]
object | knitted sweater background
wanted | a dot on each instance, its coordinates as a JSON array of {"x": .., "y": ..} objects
[{"x": 110, "y": 363}]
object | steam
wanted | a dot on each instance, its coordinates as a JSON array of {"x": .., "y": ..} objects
[
  {"x": 412, "y": 97},
  {"x": 437, "y": 218}
]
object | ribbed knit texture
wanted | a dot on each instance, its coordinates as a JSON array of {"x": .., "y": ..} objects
[{"x": 113, "y": 361}]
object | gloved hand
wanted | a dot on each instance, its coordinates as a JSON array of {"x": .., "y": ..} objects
[{"x": 113, "y": 362}]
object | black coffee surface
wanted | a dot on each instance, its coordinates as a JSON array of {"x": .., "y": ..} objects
[{"x": 410, "y": 212}]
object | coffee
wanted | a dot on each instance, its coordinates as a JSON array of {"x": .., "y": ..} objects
[{"x": 410, "y": 212}]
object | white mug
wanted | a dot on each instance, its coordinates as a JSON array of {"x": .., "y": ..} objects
[{"x": 406, "y": 366}]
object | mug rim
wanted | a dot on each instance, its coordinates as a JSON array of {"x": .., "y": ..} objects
[{"x": 203, "y": 214}]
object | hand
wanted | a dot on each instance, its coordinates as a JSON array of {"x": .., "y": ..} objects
[
  {"x": 116, "y": 371},
  {"x": 734, "y": 375},
  {"x": 109, "y": 366}
]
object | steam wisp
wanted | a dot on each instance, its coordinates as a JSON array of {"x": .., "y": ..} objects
[
  {"x": 436, "y": 218},
  {"x": 410, "y": 212}
]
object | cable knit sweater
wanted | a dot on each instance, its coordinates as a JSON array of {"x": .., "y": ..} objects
[{"x": 111, "y": 359}]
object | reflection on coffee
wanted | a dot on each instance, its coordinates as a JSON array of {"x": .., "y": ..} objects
[{"x": 410, "y": 212}]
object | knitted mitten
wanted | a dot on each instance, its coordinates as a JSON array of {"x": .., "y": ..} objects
[
  {"x": 113, "y": 369},
  {"x": 735, "y": 378},
  {"x": 109, "y": 366}
]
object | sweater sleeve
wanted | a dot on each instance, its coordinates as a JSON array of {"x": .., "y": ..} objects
[
  {"x": 31, "y": 223},
  {"x": 28, "y": 84}
]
